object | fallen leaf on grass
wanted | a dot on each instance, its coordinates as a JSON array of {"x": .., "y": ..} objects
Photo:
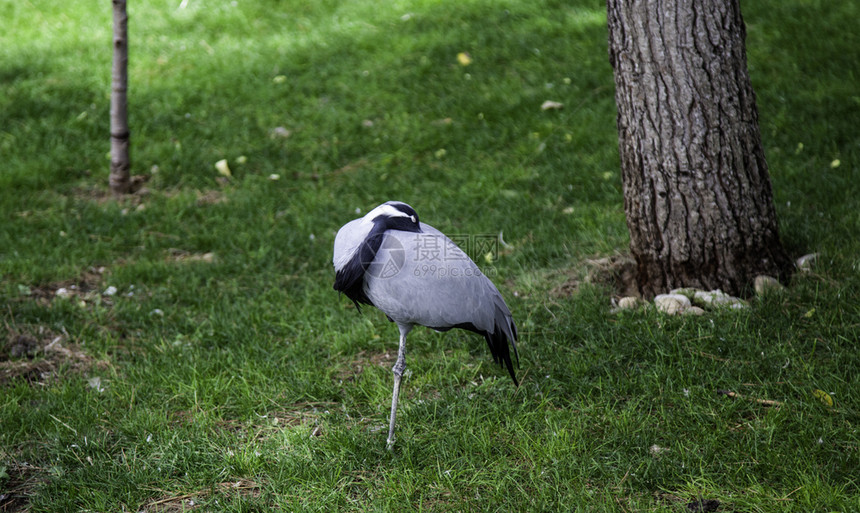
[
  {"x": 823, "y": 396},
  {"x": 551, "y": 105},
  {"x": 223, "y": 168}
]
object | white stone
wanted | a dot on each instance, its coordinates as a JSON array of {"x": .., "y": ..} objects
[
  {"x": 805, "y": 262},
  {"x": 672, "y": 303},
  {"x": 629, "y": 303},
  {"x": 681, "y": 298},
  {"x": 716, "y": 298},
  {"x": 670, "y": 306},
  {"x": 767, "y": 284},
  {"x": 709, "y": 298}
]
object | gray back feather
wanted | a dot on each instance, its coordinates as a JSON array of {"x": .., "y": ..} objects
[{"x": 424, "y": 278}]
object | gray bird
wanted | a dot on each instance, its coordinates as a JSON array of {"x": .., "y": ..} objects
[{"x": 418, "y": 276}]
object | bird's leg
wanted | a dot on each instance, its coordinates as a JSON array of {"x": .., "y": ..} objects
[{"x": 398, "y": 369}]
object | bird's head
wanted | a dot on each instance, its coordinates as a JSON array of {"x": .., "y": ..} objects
[{"x": 395, "y": 215}]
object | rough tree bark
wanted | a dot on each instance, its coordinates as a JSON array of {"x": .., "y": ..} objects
[
  {"x": 697, "y": 194},
  {"x": 120, "y": 164}
]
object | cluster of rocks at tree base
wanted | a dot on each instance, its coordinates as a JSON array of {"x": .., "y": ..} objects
[
  {"x": 694, "y": 301},
  {"x": 690, "y": 301}
]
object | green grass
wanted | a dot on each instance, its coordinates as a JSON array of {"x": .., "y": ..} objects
[{"x": 242, "y": 382}]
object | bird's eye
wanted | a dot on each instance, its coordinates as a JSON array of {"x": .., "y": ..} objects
[{"x": 413, "y": 219}]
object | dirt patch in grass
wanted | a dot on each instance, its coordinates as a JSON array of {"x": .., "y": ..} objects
[
  {"x": 272, "y": 421},
  {"x": 262, "y": 425},
  {"x": 17, "y": 482},
  {"x": 35, "y": 355},
  {"x": 363, "y": 360},
  {"x": 203, "y": 197},
  {"x": 182, "y": 256},
  {"x": 300, "y": 413},
  {"x": 616, "y": 272},
  {"x": 210, "y": 197},
  {"x": 693, "y": 504},
  {"x": 100, "y": 193},
  {"x": 169, "y": 503},
  {"x": 84, "y": 287},
  {"x": 302, "y": 416}
]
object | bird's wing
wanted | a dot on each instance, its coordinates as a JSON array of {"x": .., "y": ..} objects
[{"x": 424, "y": 278}]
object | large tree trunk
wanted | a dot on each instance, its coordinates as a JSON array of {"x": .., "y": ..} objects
[
  {"x": 697, "y": 194},
  {"x": 120, "y": 164}
]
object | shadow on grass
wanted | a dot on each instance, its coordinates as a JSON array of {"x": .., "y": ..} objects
[{"x": 189, "y": 107}]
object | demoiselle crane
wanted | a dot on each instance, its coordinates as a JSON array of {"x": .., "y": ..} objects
[{"x": 418, "y": 276}]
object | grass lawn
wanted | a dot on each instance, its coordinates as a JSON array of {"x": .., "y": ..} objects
[{"x": 184, "y": 350}]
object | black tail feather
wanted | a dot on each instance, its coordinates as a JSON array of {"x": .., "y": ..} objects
[{"x": 498, "y": 343}]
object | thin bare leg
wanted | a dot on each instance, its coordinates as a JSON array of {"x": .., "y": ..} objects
[{"x": 398, "y": 369}]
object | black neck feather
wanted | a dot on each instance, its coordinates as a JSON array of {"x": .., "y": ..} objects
[{"x": 350, "y": 279}]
